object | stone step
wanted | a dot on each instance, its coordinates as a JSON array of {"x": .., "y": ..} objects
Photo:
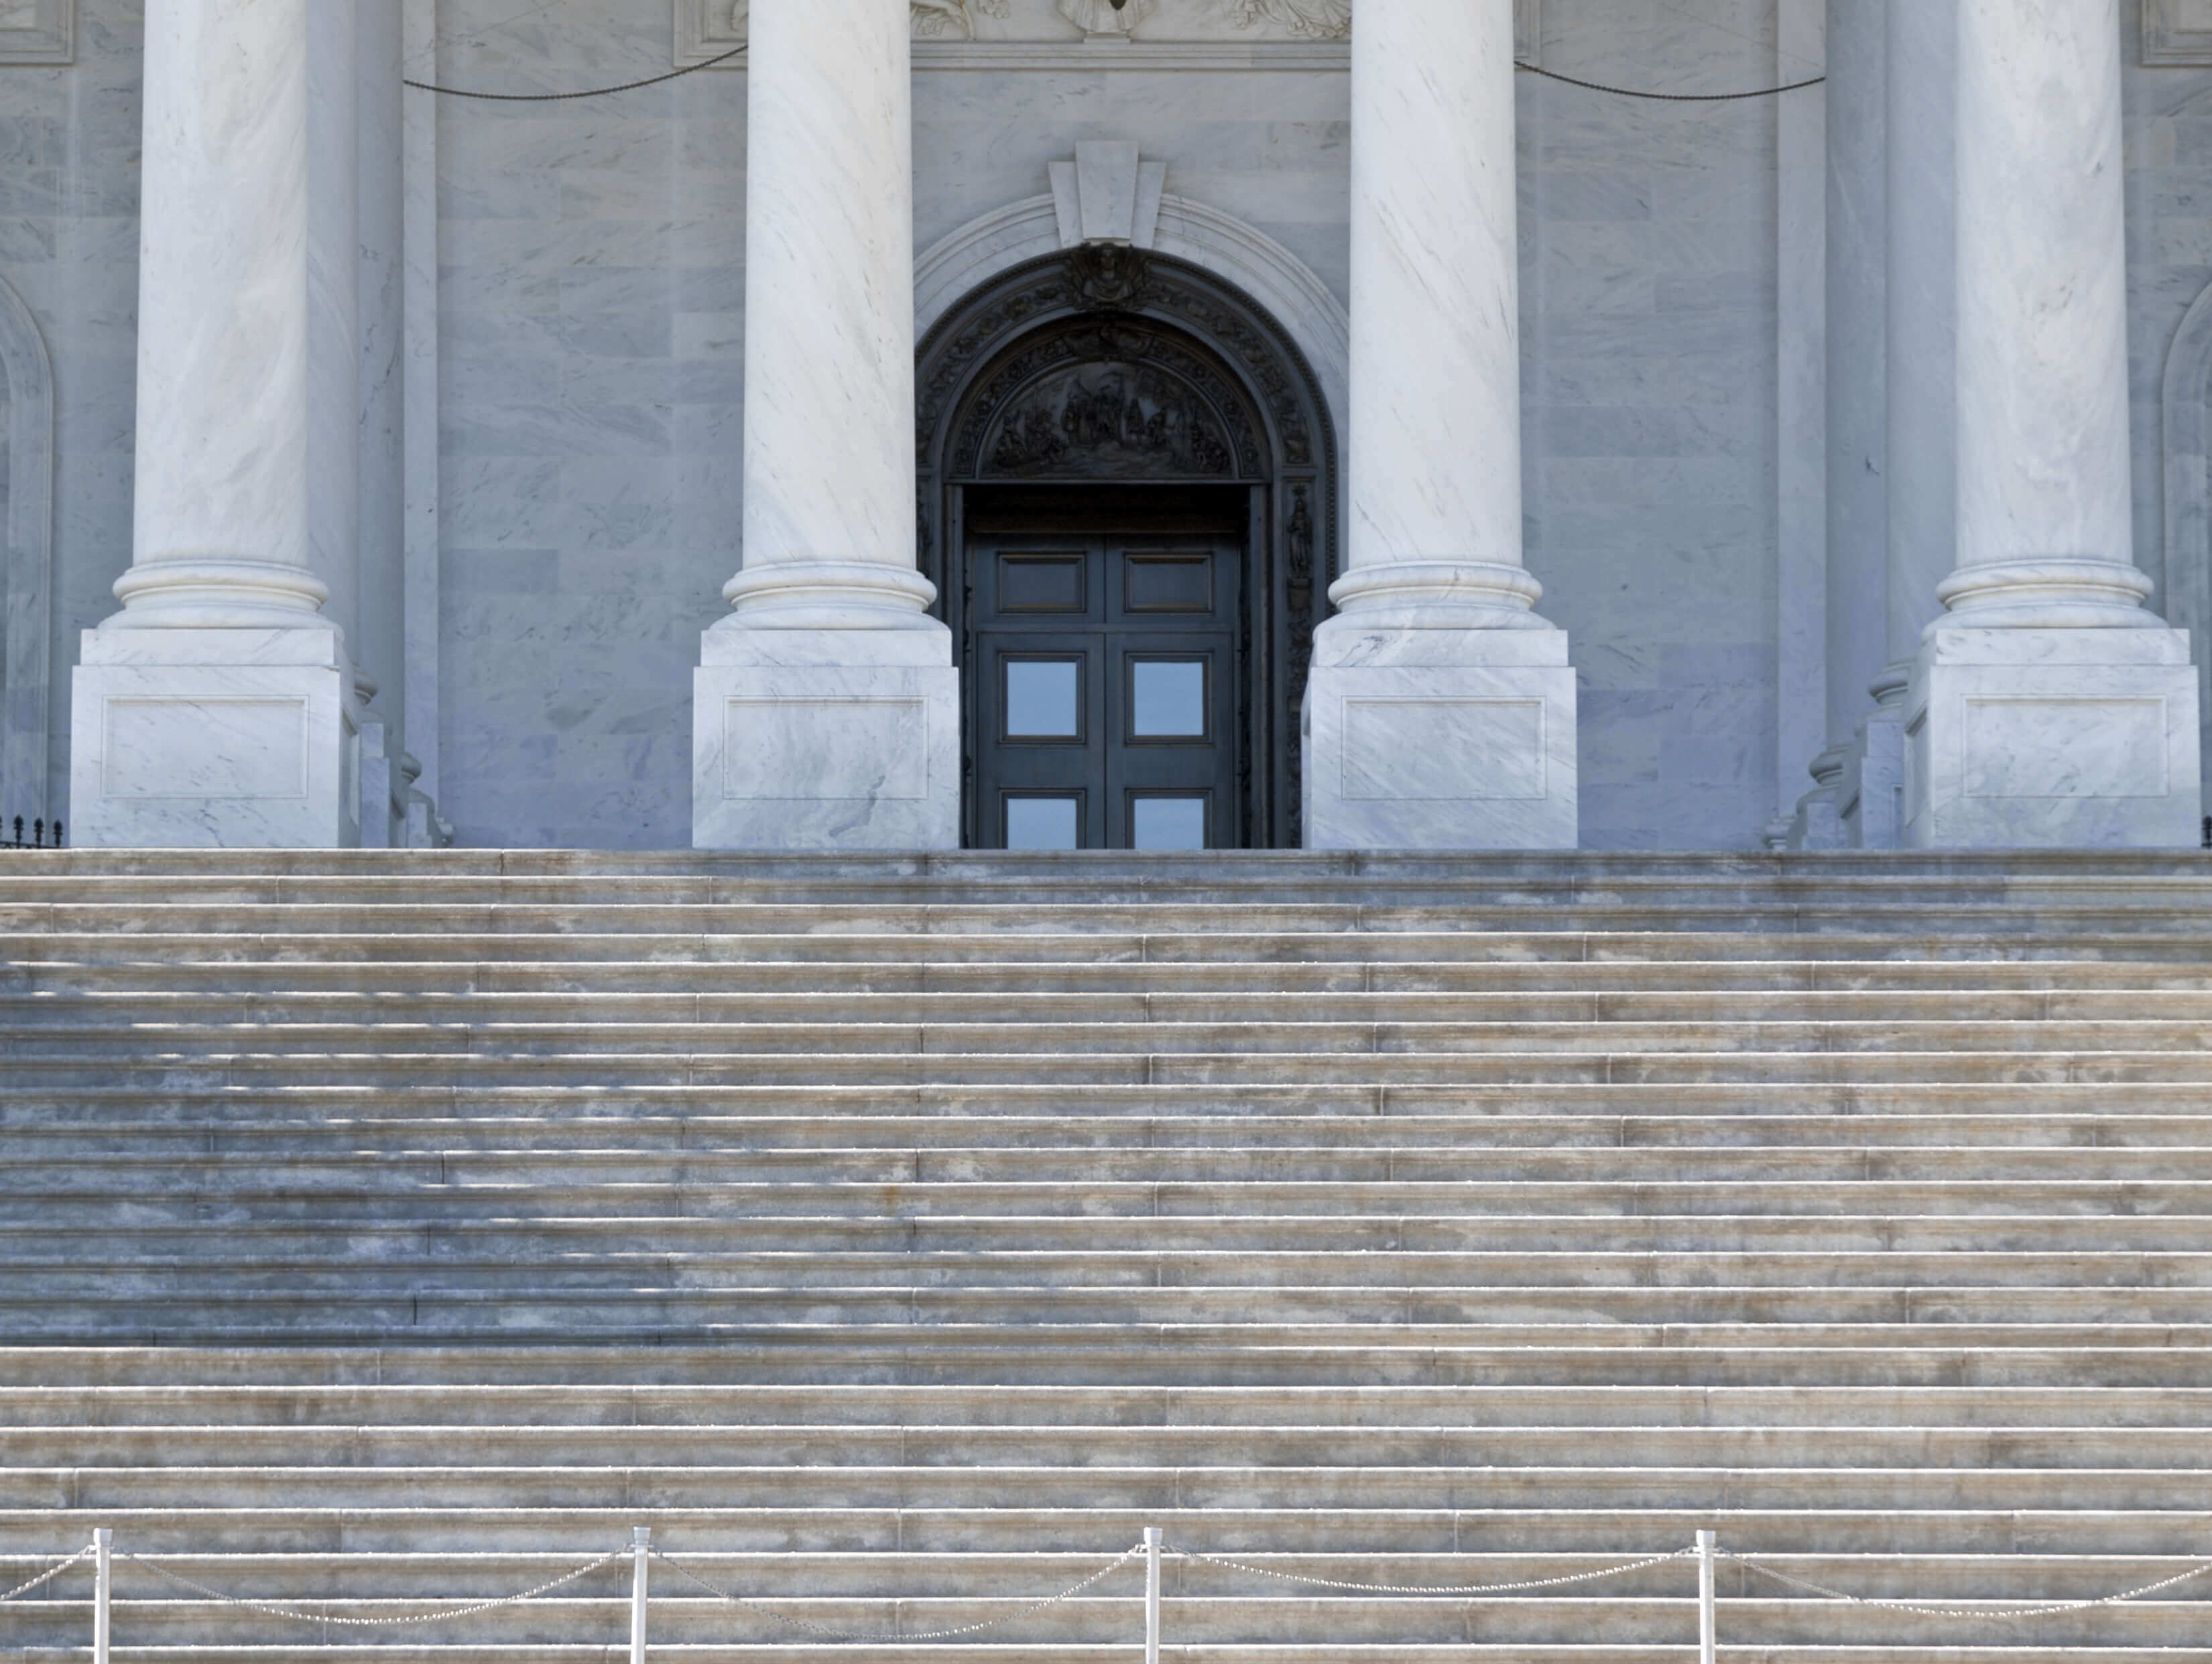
[
  {"x": 224, "y": 1453},
  {"x": 352, "y": 1196},
  {"x": 726, "y": 1527},
  {"x": 324, "y": 1411},
  {"x": 2159, "y": 913},
  {"x": 204, "y": 1068},
  {"x": 107, "y": 968},
  {"x": 1014, "y": 1488},
  {"x": 401, "y": 1171},
  {"x": 1943, "y": 1316},
  {"x": 1531, "y": 956},
  {"x": 121, "y": 1269},
  {"x": 689, "y": 1622}
]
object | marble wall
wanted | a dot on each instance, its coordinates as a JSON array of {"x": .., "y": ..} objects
[
  {"x": 590, "y": 322},
  {"x": 68, "y": 246}
]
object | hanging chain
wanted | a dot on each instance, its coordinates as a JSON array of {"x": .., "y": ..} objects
[
  {"x": 1964, "y": 1612},
  {"x": 48, "y": 1574},
  {"x": 1049, "y": 1601},
  {"x": 1426, "y": 1588},
  {"x": 270, "y": 1611}
]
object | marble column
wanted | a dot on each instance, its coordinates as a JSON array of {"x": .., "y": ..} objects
[
  {"x": 2047, "y": 707},
  {"x": 218, "y": 707},
  {"x": 826, "y": 706},
  {"x": 1921, "y": 442},
  {"x": 1858, "y": 233},
  {"x": 1441, "y": 709}
]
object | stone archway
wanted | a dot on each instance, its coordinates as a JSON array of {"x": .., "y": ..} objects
[
  {"x": 28, "y": 584},
  {"x": 1229, "y": 404}
]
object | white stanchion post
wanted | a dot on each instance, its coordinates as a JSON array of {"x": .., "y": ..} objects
[
  {"x": 641, "y": 1555},
  {"x": 1152, "y": 1536},
  {"x": 103, "y": 1575},
  {"x": 1708, "y": 1624}
]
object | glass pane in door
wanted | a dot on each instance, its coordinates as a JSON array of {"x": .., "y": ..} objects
[
  {"x": 1166, "y": 823},
  {"x": 1167, "y": 699},
  {"x": 1044, "y": 698},
  {"x": 1044, "y": 823}
]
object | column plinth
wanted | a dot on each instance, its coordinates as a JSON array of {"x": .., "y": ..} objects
[
  {"x": 218, "y": 708},
  {"x": 2047, "y": 708},
  {"x": 1440, "y": 711},
  {"x": 827, "y": 711}
]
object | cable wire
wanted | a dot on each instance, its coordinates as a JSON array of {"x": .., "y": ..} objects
[
  {"x": 1965, "y": 1612},
  {"x": 48, "y": 1574},
  {"x": 562, "y": 98},
  {"x": 269, "y": 1610},
  {"x": 1670, "y": 98},
  {"x": 1436, "y": 1588},
  {"x": 1069, "y": 1593}
]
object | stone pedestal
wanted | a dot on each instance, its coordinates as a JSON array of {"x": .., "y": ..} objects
[
  {"x": 2053, "y": 737},
  {"x": 215, "y": 739},
  {"x": 1441, "y": 739},
  {"x": 826, "y": 740},
  {"x": 1440, "y": 712}
]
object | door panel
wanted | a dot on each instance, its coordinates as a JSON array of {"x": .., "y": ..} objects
[{"x": 1105, "y": 702}]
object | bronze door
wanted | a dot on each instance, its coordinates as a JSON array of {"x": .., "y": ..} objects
[{"x": 1107, "y": 691}]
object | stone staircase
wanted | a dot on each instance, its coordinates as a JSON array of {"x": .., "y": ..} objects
[{"x": 898, "y": 1239}]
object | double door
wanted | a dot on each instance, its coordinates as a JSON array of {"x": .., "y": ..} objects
[{"x": 1106, "y": 679}]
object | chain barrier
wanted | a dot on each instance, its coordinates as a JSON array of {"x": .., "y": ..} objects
[
  {"x": 1436, "y": 1588},
  {"x": 1065, "y": 1594},
  {"x": 46, "y": 1576},
  {"x": 1826, "y": 1592},
  {"x": 269, "y": 1610}
]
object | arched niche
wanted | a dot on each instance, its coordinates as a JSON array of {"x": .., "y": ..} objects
[
  {"x": 29, "y": 569},
  {"x": 1109, "y": 365}
]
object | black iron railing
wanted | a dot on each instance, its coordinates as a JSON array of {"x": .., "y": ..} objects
[{"x": 31, "y": 835}]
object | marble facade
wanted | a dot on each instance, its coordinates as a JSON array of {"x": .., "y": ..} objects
[{"x": 573, "y": 431}]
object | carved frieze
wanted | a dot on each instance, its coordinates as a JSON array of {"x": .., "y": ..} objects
[{"x": 1108, "y": 421}]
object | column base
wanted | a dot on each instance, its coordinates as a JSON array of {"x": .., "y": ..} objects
[
  {"x": 1440, "y": 739},
  {"x": 214, "y": 739},
  {"x": 826, "y": 740},
  {"x": 2052, "y": 738}
]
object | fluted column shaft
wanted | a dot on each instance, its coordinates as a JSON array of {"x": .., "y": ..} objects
[
  {"x": 829, "y": 447},
  {"x": 1435, "y": 422}
]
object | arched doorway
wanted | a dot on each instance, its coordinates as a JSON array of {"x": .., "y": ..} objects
[{"x": 1129, "y": 501}]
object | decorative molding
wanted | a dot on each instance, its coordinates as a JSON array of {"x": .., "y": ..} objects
[
  {"x": 38, "y": 32},
  {"x": 1040, "y": 35},
  {"x": 2176, "y": 34},
  {"x": 28, "y": 585}
]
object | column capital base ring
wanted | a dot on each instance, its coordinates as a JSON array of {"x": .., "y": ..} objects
[
  {"x": 831, "y": 595},
  {"x": 2058, "y": 594},
  {"x": 219, "y": 593},
  {"x": 1441, "y": 594}
]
